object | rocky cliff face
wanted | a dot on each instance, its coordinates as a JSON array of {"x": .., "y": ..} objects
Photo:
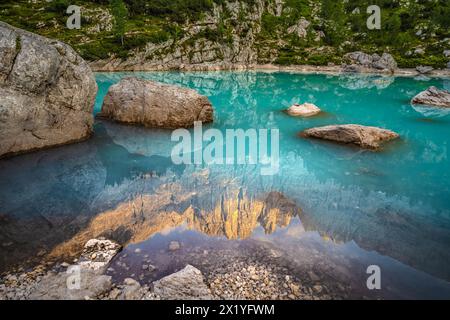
[
  {"x": 47, "y": 93},
  {"x": 228, "y": 37},
  {"x": 198, "y": 46}
]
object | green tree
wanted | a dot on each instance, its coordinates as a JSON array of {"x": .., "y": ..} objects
[{"x": 120, "y": 13}]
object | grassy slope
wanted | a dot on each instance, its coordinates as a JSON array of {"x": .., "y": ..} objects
[{"x": 159, "y": 20}]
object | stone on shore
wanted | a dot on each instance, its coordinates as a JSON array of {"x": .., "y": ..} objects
[
  {"x": 303, "y": 110},
  {"x": 424, "y": 69},
  {"x": 97, "y": 253},
  {"x": 83, "y": 280},
  {"x": 363, "y": 136},
  {"x": 433, "y": 97},
  {"x": 154, "y": 104},
  {"x": 359, "y": 62},
  {"x": 132, "y": 290},
  {"x": 186, "y": 284},
  {"x": 47, "y": 93},
  {"x": 75, "y": 284}
]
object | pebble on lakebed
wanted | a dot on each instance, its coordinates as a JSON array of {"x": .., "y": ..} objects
[{"x": 174, "y": 245}]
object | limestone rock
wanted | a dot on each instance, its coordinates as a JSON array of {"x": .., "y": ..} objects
[
  {"x": 153, "y": 104},
  {"x": 76, "y": 284},
  {"x": 303, "y": 110},
  {"x": 360, "y": 58},
  {"x": 300, "y": 29},
  {"x": 186, "y": 284},
  {"x": 385, "y": 62},
  {"x": 97, "y": 253},
  {"x": 132, "y": 290},
  {"x": 424, "y": 69},
  {"x": 433, "y": 97},
  {"x": 363, "y": 136},
  {"x": 359, "y": 61},
  {"x": 47, "y": 93}
]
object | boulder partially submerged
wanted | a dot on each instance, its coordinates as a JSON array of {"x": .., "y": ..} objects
[
  {"x": 433, "y": 97},
  {"x": 154, "y": 104},
  {"x": 47, "y": 93},
  {"x": 303, "y": 110},
  {"x": 363, "y": 136}
]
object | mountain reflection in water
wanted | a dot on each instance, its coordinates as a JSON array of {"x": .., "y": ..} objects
[{"x": 121, "y": 184}]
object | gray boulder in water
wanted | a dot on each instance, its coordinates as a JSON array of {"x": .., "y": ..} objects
[
  {"x": 156, "y": 105},
  {"x": 47, "y": 93},
  {"x": 363, "y": 136},
  {"x": 433, "y": 97}
]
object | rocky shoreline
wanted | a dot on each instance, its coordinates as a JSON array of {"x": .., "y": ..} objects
[
  {"x": 261, "y": 275},
  {"x": 110, "y": 66}
]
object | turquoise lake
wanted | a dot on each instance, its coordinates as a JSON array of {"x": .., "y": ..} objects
[{"x": 389, "y": 208}]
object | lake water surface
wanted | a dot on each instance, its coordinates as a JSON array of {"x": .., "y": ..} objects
[{"x": 331, "y": 206}]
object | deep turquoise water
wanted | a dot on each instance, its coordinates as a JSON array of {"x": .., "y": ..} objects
[{"x": 393, "y": 204}]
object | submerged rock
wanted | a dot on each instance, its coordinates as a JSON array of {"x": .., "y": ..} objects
[
  {"x": 303, "y": 110},
  {"x": 363, "y": 136},
  {"x": 433, "y": 97},
  {"x": 186, "y": 284},
  {"x": 174, "y": 245},
  {"x": 153, "y": 104},
  {"x": 428, "y": 112},
  {"x": 47, "y": 93}
]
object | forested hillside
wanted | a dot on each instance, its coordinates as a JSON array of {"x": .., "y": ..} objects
[{"x": 283, "y": 32}]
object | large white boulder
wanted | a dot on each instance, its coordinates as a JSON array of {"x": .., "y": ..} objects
[
  {"x": 47, "y": 93},
  {"x": 154, "y": 104}
]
